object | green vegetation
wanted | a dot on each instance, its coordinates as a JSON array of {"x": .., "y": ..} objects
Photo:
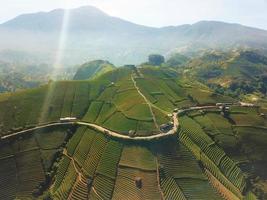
[
  {"x": 175, "y": 60},
  {"x": 93, "y": 69},
  {"x": 156, "y": 59},
  {"x": 241, "y": 135},
  {"x": 29, "y": 160},
  {"x": 145, "y": 160},
  {"x": 77, "y": 162},
  {"x": 234, "y": 73}
]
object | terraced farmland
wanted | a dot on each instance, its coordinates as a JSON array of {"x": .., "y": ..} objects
[
  {"x": 238, "y": 140},
  {"x": 211, "y": 156},
  {"x": 42, "y": 105},
  {"x": 27, "y": 160}
]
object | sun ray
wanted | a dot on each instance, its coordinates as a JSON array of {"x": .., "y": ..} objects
[{"x": 58, "y": 64}]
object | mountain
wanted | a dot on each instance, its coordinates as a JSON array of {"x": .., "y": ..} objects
[{"x": 92, "y": 34}]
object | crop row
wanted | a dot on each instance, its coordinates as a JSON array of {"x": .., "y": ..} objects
[
  {"x": 212, "y": 157},
  {"x": 109, "y": 160},
  {"x": 171, "y": 190},
  {"x": 64, "y": 189}
]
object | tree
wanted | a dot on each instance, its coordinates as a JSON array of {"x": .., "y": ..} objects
[{"x": 156, "y": 59}]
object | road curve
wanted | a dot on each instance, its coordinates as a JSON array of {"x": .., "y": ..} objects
[
  {"x": 136, "y": 138},
  {"x": 101, "y": 129},
  {"x": 111, "y": 133}
]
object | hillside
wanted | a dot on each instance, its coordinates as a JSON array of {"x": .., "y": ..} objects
[
  {"x": 126, "y": 142},
  {"x": 92, "y": 34}
]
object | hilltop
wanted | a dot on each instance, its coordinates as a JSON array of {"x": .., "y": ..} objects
[{"x": 93, "y": 69}]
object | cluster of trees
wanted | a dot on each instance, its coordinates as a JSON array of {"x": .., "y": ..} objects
[{"x": 156, "y": 59}]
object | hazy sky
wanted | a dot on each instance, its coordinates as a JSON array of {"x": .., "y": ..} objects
[{"x": 154, "y": 12}]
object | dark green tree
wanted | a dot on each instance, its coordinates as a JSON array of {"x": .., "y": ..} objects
[{"x": 156, "y": 59}]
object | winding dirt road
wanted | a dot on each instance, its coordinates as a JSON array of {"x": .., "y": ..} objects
[{"x": 111, "y": 133}]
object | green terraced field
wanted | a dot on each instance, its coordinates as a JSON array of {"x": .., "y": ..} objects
[
  {"x": 145, "y": 161},
  {"x": 28, "y": 159},
  {"x": 125, "y": 187},
  {"x": 84, "y": 163}
]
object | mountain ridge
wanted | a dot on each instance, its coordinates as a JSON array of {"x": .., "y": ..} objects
[{"x": 92, "y": 34}]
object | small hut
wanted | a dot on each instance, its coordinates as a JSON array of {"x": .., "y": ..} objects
[{"x": 138, "y": 182}]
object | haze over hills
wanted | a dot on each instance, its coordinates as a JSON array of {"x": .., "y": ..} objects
[{"x": 92, "y": 34}]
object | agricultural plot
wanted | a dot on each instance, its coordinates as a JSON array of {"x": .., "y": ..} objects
[
  {"x": 144, "y": 161},
  {"x": 178, "y": 162},
  {"x": 108, "y": 163},
  {"x": 238, "y": 137},
  {"x": 21, "y": 108},
  {"x": 24, "y": 144},
  {"x": 50, "y": 139},
  {"x": 64, "y": 189},
  {"x": 104, "y": 186},
  {"x": 93, "y": 111},
  {"x": 252, "y": 144},
  {"x": 107, "y": 111},
  {"x": 128, "y": 101},
  {"x": 206, "y": 124},
  {"x": 195, "y": 189},
  {"x": 68, "y": 100},
  {"x": 52, "y": 106},
  {"x": 126, "y": 188},
  {"x": 28, "y": 158},
  {"x": 178, "y": 167},
  {"x": 211, "y": 155},
  {"x": 80, "y": 190},
  {"x": 220, "y": 123},
  {"x": 8, "y": 179},
  {"x": 44, "y": 104},
  {"x": 81, "y": 99},
  {"x": 62, "y": 170},
  {"x": 118, "y": 122},
  {"x": 74, "y": 141},
  {"x": 220, "y": 130},
  {"x": 94, "y": 155},
  {"x": 247, "y": 117},
  {"x": 158, "y": 92},
  {"x": 29, "y": 175},
  {"x": 171, "y": 190},
  {"x": 83, "y": 147}
]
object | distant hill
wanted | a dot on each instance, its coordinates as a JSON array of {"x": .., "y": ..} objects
[
  {"x": 92, "y": 34},
  {"x": 93, "y": 69},
  {"x": 245, "y": 71}
]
